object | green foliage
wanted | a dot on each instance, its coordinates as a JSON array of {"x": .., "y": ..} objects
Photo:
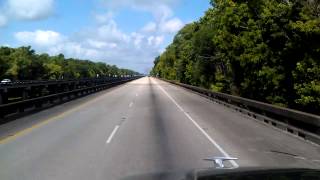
[
  {"x": 266, "y": 50},
  {"x": 24, "y": 64}
]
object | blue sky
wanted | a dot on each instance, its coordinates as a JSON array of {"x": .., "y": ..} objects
[{"x": 127, "y": 33}]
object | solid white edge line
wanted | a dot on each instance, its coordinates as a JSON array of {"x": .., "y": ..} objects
[
  {"x": 112, "y": 134},
  {"x": 234, "y": 164}
]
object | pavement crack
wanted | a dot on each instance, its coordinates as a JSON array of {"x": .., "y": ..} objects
[{"x": 284, "y": 153}]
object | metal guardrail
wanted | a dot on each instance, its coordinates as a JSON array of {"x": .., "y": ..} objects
[
  {"x": 304, "y": 125},
  {"x": 13, "y": 110},
  {"x": 22, "y": 90},
  {"x": 27, "y": 83}
]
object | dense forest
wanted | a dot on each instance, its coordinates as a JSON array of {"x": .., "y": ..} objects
[
  {"x": 24, "y": 64},
  {"x": 267, "y": 50}
]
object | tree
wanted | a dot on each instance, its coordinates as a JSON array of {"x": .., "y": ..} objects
[
  {"x": 24, "y": 64},
  {"x": 266, "y": 50}
]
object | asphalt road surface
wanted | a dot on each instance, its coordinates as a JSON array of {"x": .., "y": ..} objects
[{"x": 144, "y": 128}]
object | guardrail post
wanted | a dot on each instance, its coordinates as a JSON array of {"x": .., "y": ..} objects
[
  {"x": 38, "y": 104},
  {"x": 1, "y": 98},
  {"x": 1, "y": 115},
  {"x": 4, "y": 96},
  {"x": 21, "y": 108},
  {"x": 25, "y": 93},
  {"x": 67, "y": 89}
]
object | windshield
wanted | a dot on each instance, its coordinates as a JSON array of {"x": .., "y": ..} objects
[{"x": 140, "y": 89}]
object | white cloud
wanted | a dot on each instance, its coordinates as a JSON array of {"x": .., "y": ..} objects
[
  {"x": 30, "y": 9},
  {"x": 105, "y": 41},
  {"x": 139, "y": 49},
  {"x": 3, "y": 20},
  {"x": 104, "y": 18},
  {"x": 164, "y": 20},
  {"x": 100, "y": 44},
  {"x": 161, "y": 12},
  {"x": 5, "y": 45},
  {"x": 39, "y": 38},
  {"x": 159, "y": 40},
  {"x": 159, "y": 9},
  {"x": 74, "y": 50},
  {"x": 25, "y": 10},
  {"x": 171, "y": 25},
  {"x": 137, "y": 3},
  {"x": 110, "y": 32},
  {"x": 137, "y": 39},
  {"x": 155, "y": 40},
  {"x": 149, "y": 27},
  {"x": 150, "y": 40},
  {"x": 165, "y": 26}
]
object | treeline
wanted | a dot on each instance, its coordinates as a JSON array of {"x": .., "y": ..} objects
[
  {"x": 24, "y": 64},
  {"x": 267, "y": 50}
]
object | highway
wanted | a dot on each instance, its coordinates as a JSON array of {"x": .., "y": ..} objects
[{"x": 144, "y": 128}]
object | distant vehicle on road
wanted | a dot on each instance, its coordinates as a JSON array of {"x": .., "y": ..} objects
[{"x": 5, "y": 81}]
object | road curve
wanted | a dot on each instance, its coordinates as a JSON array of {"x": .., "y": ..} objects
[{"x": 143, "y": 127}]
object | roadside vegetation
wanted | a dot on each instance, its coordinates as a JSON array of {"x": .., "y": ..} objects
[
  {"x": 24, "y": 64},
  {"x": 267, "y": 50}
]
